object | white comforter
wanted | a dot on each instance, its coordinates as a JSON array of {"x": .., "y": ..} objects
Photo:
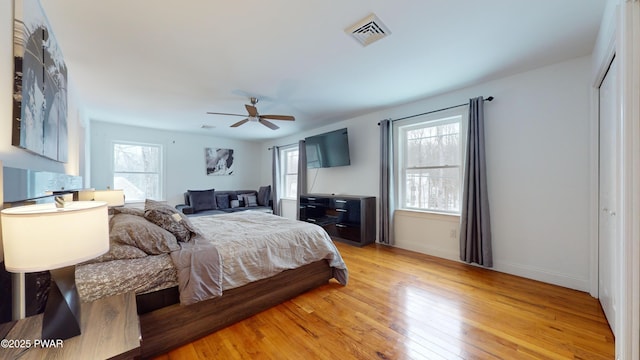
[{"x": 255, "y": 245}]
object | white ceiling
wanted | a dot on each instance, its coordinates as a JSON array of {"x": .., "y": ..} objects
[{"x": 164, "y": 64}]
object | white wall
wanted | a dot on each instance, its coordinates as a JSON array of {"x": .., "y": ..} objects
[
  {"x": 184, "y": 161},
  {"x": 10, "y": 155},
  {"x": 363, "y": 136},
  {"x": 13, "y": 156},
  {"x": 537, "y": 134},
  {"x": 538, "y": 159}
]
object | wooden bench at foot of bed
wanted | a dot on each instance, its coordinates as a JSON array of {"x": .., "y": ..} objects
[{"x": 175, "y": 325}]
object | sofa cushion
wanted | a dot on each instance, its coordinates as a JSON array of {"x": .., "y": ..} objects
[
  {"x": 235, "y": 194},
  {"x": 201, "y": 200},
  {"x": 250, "y": 200},
  {"x": 222, "y": 201},
  {"x": 244, "y": 201},
  {"x": 264, "y": 193},
  {"x": 185, "y": 209},
  {"x": 208, "y": 212},
  {"x": 235, "y": 200},
  {"x": 230, "y": 210}
]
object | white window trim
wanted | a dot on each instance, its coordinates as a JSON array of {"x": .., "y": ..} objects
[
  {"x": 400, "y": 127},
  {"x": 283, "y": 151},
  {"x": 138, "y": 143}
]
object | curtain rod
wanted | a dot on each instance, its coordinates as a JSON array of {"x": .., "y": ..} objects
[
  {"x": 490, "y": 98},
  {"x": 269, "y": 148}
]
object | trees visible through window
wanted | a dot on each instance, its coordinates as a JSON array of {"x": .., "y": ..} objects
[
  {"x": 137, "y": 170},
  {"x": 430, "y": 164}
]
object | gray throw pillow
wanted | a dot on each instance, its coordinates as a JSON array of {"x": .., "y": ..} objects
[
  {"x": 130, "y": 211},
  {"x": 169, "y": 219},
  {"x": 201, "y": 200},
  {"x": 264, "y": 193},
  {"x": 127, "y": 229},
  {"x": 250, "y": 200},
  {"x": 222, "y": 200},
  {"x": 243, "y": 200}
]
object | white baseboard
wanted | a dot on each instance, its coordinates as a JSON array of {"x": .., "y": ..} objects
[
  {"x": 524, "y": 271},
  {"x": 449, "y": 255},
  {"x": 555, "y": 278}
]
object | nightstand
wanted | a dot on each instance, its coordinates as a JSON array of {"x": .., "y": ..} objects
[{"x": 110, "y": 330}]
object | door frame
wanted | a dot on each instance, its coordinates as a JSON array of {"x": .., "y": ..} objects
[
  {"x": 602, "y": 60},
  {"x": 619, "y": 36},
  {"x": 613, "y": 203}
]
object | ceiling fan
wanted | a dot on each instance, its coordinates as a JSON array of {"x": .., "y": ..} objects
[{"x": 254, "y": 116}]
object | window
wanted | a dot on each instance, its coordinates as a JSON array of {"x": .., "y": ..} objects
[
  {"x": 289, "y": 169},
  {"x": 429, "y": 162},
  {"x": 137, "y": 169}
]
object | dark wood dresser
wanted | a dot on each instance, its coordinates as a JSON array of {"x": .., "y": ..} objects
[{"x": 346, "y": 218}]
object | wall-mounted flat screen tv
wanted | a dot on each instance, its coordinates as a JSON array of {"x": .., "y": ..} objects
[{"x": 328, "y": 149}]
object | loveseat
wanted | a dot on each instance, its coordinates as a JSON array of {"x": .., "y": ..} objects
[{"x": 211, "y": 201}]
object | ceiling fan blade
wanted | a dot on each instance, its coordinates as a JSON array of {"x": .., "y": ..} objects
[
  {"x": 239, "y": 123},
  {"x": 216, "y": 113},
  {"x": 278, "y": 117},
  {"x": 268, "y": 124},
  {"x": 253, "y": 112}
]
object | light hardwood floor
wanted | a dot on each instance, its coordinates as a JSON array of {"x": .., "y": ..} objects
[{"x": 403, "y": 305}]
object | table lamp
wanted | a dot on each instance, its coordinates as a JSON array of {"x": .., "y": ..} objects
[
  {"x": 113, "y": 198},
  {"x": 45, "y": 237}
]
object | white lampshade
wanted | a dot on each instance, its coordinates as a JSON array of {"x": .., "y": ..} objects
[
  {"x": 85, "y": 195},
  {"x": 43, "y": 237},
  {"x": 111, "y": 197}
]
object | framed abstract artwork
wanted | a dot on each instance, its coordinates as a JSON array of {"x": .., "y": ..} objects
[
  {"x": 40, "y": 85},
  {"x": 219, "y": 161}
]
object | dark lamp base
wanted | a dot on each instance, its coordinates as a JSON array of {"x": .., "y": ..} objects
[{"x": 61, "y": 318}]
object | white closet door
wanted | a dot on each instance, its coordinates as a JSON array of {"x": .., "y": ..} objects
[{"x": 608, "y": 221}]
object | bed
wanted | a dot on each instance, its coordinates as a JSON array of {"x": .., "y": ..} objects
[{"x": 208, "y": 273}]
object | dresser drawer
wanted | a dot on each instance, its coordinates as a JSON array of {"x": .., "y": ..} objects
[{"x": 344, "y": 231}]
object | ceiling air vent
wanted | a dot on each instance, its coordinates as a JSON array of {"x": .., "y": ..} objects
[{"x": 368, "y": 30}]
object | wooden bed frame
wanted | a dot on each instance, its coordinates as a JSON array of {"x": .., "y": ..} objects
[{"x": 176, "y": 325}]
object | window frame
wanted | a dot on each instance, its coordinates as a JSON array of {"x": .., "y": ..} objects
[
  {"x": 284, "y": 170},
  {"x": 161, "y": 173},
  {"x": 400, "y": 129}
]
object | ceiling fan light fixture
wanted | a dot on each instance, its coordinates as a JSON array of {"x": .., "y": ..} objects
[{"x": 253, "y": 116}]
